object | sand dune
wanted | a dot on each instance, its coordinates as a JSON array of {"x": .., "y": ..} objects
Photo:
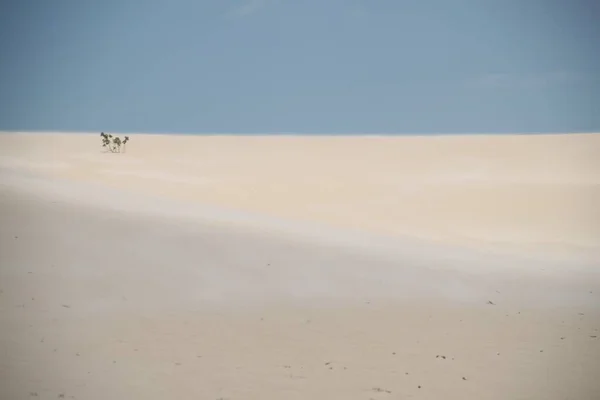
[
  {"x": 536, "y": 191},
  {"x": 300, "y": 267}
]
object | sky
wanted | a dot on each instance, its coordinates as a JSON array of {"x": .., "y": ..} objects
[{"x": 300, "y": 66}]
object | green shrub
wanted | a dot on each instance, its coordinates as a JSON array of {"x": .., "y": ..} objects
[{"x": 113, "y": 143}]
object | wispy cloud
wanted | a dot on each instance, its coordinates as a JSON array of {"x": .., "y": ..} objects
[
  {"x": 247, "y": 7},
  {"x": 498, "y": 80}
]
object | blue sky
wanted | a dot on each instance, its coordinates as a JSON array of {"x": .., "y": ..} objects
[{"x": 306, "y": 66}]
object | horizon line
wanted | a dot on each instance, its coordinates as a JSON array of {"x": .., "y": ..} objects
[{"x": 74, "y": 132}]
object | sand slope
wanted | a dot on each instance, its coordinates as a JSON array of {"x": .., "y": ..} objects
[{"x": 101, "y": 305}]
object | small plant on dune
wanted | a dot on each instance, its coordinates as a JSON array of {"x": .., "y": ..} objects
[{"x": 113, "y": 143}]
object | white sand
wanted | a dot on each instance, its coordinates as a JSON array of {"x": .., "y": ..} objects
[{"x": 292, "y": 267}]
